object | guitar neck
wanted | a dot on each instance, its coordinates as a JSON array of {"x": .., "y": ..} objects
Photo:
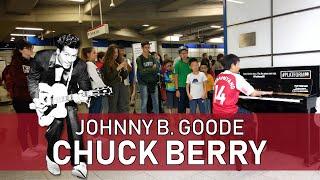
[{"x": 65, "y": 99}]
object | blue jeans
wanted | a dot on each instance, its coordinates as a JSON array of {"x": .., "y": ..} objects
[
  {"x": 105, "y": 105},
  {"x": 144, "y": 99},
  {"x": 95, "y": 105},
  {"x": 207, "y": 104},
  {"x": 194, "y": 103},
  {"x": 242, "y": 110}
]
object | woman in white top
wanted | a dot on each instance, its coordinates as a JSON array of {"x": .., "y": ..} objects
[{"x": 89, "y": 54}]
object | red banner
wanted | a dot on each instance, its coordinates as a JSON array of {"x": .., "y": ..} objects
[{"x": 168, "y": 142}]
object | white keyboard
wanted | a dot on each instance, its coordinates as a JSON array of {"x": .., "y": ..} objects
[{"x": 272, "y": 99}]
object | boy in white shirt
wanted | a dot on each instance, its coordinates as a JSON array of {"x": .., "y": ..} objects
[{"x": 196, "y": 88}]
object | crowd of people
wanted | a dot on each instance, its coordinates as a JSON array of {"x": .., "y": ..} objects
[
  {"x": 182, "y": 85},
  {"x": 164, "y": 85}
]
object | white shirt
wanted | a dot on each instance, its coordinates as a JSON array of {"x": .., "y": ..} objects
[
  {"x": 96, "y": 81},
  {"x": 196, "y": 84},
  {"x": 59, "y": 72},
  {"x": 126, "y": 81}
]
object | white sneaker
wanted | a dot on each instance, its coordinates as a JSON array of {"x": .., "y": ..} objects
[
  {"x": 80, "y": 170},
  {"x": 53, "y": 167},
  {"x": 39, "y": 148},
  {"x": 29, "y": 154}
]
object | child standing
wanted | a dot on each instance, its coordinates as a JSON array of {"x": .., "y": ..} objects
[
  {"x": 210, "y": 85},
  {"x": 196, "y": 87},
  {"x": 169, "y": 79}
]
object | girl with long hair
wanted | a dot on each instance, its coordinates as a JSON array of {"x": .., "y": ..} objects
[{"x": 114, "y": 75}]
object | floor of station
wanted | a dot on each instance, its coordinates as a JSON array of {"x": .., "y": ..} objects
[{"x": 167, "y": 175}]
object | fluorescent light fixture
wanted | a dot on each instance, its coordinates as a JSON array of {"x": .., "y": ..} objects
[
  {"x": 217, "y": 40},
  {"x": 215, "y": 26},
  {"x": 151, "y": 28},
  {"x": 146, "y": 25},
  {"x": 171, "y": 38},
  {"x": 77, "y": 0},
  {"x": 29, "y": 28},
  {"x": 178, "y": 35},
  {"x": 236, "y": 1},
  {"x": 23, "y": 35},
  {"x": 11, "y": 40}
]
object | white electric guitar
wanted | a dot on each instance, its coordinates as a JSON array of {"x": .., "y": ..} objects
[{"x": 54, "y": 99}]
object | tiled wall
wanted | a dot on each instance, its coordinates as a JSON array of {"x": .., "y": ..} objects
[{"x": 287, "y": 32}]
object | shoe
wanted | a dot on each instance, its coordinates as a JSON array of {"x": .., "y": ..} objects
[
  {"x": 29, "y": 154},
  {"x": 53, "y": 167},
  {"x": 80, "y": 170},
  {"x": 39, "y": 148}
]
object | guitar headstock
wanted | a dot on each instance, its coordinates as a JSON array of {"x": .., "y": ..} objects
[{"x": 105, "y": 91}]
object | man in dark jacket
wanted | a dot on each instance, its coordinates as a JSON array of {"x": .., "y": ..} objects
[
  {"x": 62, "y": 66},
  {"x": 147, "y": 74}
]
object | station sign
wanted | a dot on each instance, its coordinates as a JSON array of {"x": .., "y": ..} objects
[{"x": 98, "y": 31}]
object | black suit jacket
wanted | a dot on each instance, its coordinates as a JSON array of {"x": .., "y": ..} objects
[{"x": 42, "y": 70}]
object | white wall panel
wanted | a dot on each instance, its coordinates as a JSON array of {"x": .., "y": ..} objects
[
  {"x": 218, "y": 51},
  {"x": 297, "y": 32},
  {"x": 285, "y": 6},
  {"x": 256, "y": 62},
  {"x": 6, "y": 55},
  {"x": 263, "y": 38},
  {"x": 309, "y": 59},
  {"x": 249, "y": 10}
]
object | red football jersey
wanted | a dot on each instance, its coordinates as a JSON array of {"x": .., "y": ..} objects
[{"x": 228, "y": 86}]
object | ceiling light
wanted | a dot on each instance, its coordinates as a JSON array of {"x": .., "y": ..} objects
[
  {"x": 178, "y": 35},
  {"x": 11, "y": 40},
  {"x": 171, "y": 38},
  {"x": 28, "y": 35},
  {"x": 150, "y": 28},
  {"x": 29, "y": 28},
  {"x": 77, "y": 0},
  {"x": 146, "y": 25},
  {"x": 217, "y": 40},
  {"x": 235, "y": 1},
  {"x": 112, "y": 4},
  {"x": 215, "y": 26}
]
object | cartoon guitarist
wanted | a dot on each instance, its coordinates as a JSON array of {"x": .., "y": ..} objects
[{"x": 61, "y": 66}]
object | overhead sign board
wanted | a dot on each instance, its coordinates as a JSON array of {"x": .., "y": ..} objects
[{"x": 97, "y": 31}]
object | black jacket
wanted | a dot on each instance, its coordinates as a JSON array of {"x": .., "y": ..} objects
[{"x": 43, "y": 71}]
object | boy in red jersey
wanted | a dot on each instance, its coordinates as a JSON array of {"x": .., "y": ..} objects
[{"x": 228, "y": 86}]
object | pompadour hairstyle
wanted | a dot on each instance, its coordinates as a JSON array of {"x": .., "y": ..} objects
[{"x": 70, "y": 40}]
